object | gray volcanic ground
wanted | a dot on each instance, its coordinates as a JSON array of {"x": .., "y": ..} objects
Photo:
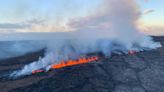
[{"x": 141, "y": 72}]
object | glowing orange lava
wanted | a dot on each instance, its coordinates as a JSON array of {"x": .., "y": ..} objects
[
  {"x": 37, "y": 71},
  {"x": 131, "y": 52},
  {"x": 74, "y": 62},
  {"x": 68, "y": 63}
]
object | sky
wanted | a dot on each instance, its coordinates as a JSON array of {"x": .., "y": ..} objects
[
  {"x": 17, "y": 14},
  {"x": 21, "y": 10},
  {"x": 157, "y": 16}
]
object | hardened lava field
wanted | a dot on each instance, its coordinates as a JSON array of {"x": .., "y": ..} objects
[{"x": 140, "y": 72}]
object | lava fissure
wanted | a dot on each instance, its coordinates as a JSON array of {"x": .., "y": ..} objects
[
  {"x": 69, "y": 63},
  {"x": 79, "y": 61}
]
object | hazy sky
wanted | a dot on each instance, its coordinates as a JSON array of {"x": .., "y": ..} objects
[
  {"x": 156, "y": 17},
  {"x": 20, "y": 10},
  {"x": 16, "y": 11}
]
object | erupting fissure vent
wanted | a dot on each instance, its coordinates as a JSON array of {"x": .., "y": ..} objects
[
  {"x": 79, "y": 61},
  {"x": 69, "y": 63}
]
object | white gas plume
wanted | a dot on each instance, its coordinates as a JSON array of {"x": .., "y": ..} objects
[{"x": 112, "y": 28}]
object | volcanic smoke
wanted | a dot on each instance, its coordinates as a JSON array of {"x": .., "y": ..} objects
[{"x": 113, "y": 28}]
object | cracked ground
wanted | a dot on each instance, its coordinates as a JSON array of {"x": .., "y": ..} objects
[{"x": 141, "y": 72}]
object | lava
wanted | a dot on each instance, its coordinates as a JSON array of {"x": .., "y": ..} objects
[
  {"x": 37, "y": 71},
  {"x": 74, "y": 62},
  {"x": 63, "y": 64},
  {"x": 132, "y": 52}
]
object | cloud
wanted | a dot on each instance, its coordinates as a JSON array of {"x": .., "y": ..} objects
[
  {"x": 148, "y": 11},
  {"x": 14, "y": 27},
  {"x": 157, "y": 30}
]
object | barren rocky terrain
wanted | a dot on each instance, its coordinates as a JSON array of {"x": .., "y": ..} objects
[{"x": 141, "y": 72}]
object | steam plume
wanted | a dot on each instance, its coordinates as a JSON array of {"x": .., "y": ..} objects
[{"x": 112, "y": 29}]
